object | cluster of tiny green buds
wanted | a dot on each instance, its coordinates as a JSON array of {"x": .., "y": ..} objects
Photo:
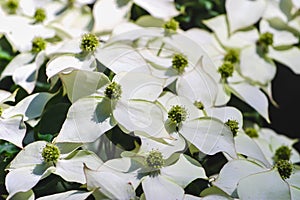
[
  {"x": 12, "y": 5},
  {"x": 285, "y": 168},
  {"x": 89, "y": 42},
  {"x": 172, "y": 25},
  {"x": 232, "y": 56},
  {"x": 177, "y": 114},
  {"x": 226, "y": 70},
  {"x": 113, "y": 91},
  {"x": 251, "y": 132},
  {"x": 39, "y": 15},
  {"x": 38, "y": 44},
  {"x": 71, "y": 3},
  {"x": 179, "y": 63},
  {"x": 282, "y": 153},
  {"x": 264, "y": 41},
  {"x": 155, "y": 159},
  {"x": 199, "y": 105},
  {"x": 233, "y": 125},
  {"x": 50, "y": 153}
]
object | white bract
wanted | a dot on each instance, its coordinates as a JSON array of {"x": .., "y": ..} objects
[{"x": 30, "y": 165}]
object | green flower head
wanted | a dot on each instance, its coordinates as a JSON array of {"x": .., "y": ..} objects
[
  {"x": 264, "y": 41},
  {"x": 285, "y": 168},
  {"x": 172, "y": 25},
  {"x": 50, "y": 153},
  {"x": 233, "y": 125},
  {"x": 226, "y": 70},
  {"x": 179, "y": 63},
  {"x": 232, "y": 56},
  {"x": 155, "y": 159},
  {"x": 199, "y": 105},
  {"x": 282, "y": 153},
  {"x": 251, "y": 132},
  {"x": 40, "y": 15},
  {"x": 89, "y": 42},
  {"x": 12, "y": 5},
  {"x": 113, "y": 91},
  {"x": 38, "y": 44},
  {"x": 177, "y": 114}
]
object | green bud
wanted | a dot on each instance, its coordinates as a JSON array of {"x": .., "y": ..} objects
[
  {"x": 251, "y": 132},
  {"x": 226, "y": 70},
  {"x": 177, "y": 114},
  {"x": 155, "y": 159},
  {"x": 232, "y": 56},
  {"x": 40, "y": 15},
  {"x": 233, "y": 125},
  {"x": 38, "y": 44},
  {"x": 285, "y": 168},
  {"x": 1, "y": 111},
  {"x": 179, "y": 63},
  {"x": 171, "y": 25},
  {"x": 50, "y": 153},
  {"x": 282, "y": 153},
  {"x": 12, "y": 5},
  {"x": 264, "y": 41},
  {"x": 199, "y": 105},
  {"x": 89, "y": 42},
  {"x": 113, "y": 91}
]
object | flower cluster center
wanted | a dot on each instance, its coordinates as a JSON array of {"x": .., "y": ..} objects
[
  {"x": 179, "y": 63},
  {"x": 50, "y": 153},
  {"x": 285, "y": 168},
  {"x": 226, "y": 70},
  {"x": 89, "y": 42},
  {"x": 233, "y": 125},
  {"x": 40, "y": 15},
  {"x": 177, "y": 114},
  {"x": 38, "y": 44},
  {"x": 113, "y": 91}
]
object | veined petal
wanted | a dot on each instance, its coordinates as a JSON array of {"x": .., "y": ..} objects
[
  {"x": 167, "y": 147},
  {"x": 139, "y": 86},
  {"x": 246, "y": 146},
  {"x": 25, "y": 178},
  {"x": 29, "y": 156},
  {"x": 197, "y": 85},
  {"x": 87, "y": 120},
  {"x": 244, "y": 13},
  {"x": 71, "y": 169},
  {"x": 263, "y": 185},
  {"x": 288, "y": 57},
  {"x": 109, "y": 184},
  {"x": 81, "y": 83},
  {"x": 140, "y": 116},
  {"x": 25, "y": 76},
  {"x": 159, "y": 8},
  {"x": 252, "y": 96},
  {"x": 69, "y": 195},
  {"x": 255, "y": 67},
  {"x": 120, "y": 58},
  {"x": 159, "y": 187},
  {"x": 231, "y": 174},
  {"x": 174, "y": 172},
  {"x": 225, "y": 113},
  {"x": 66, "y": 64},
  {"x": 107, "y": 14},
  {"x": 13, "y": 130},
  {"x": 209, "y": 135},
  {"x": 30, "y": 107},
  {"x": 20, "y": 60}
]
